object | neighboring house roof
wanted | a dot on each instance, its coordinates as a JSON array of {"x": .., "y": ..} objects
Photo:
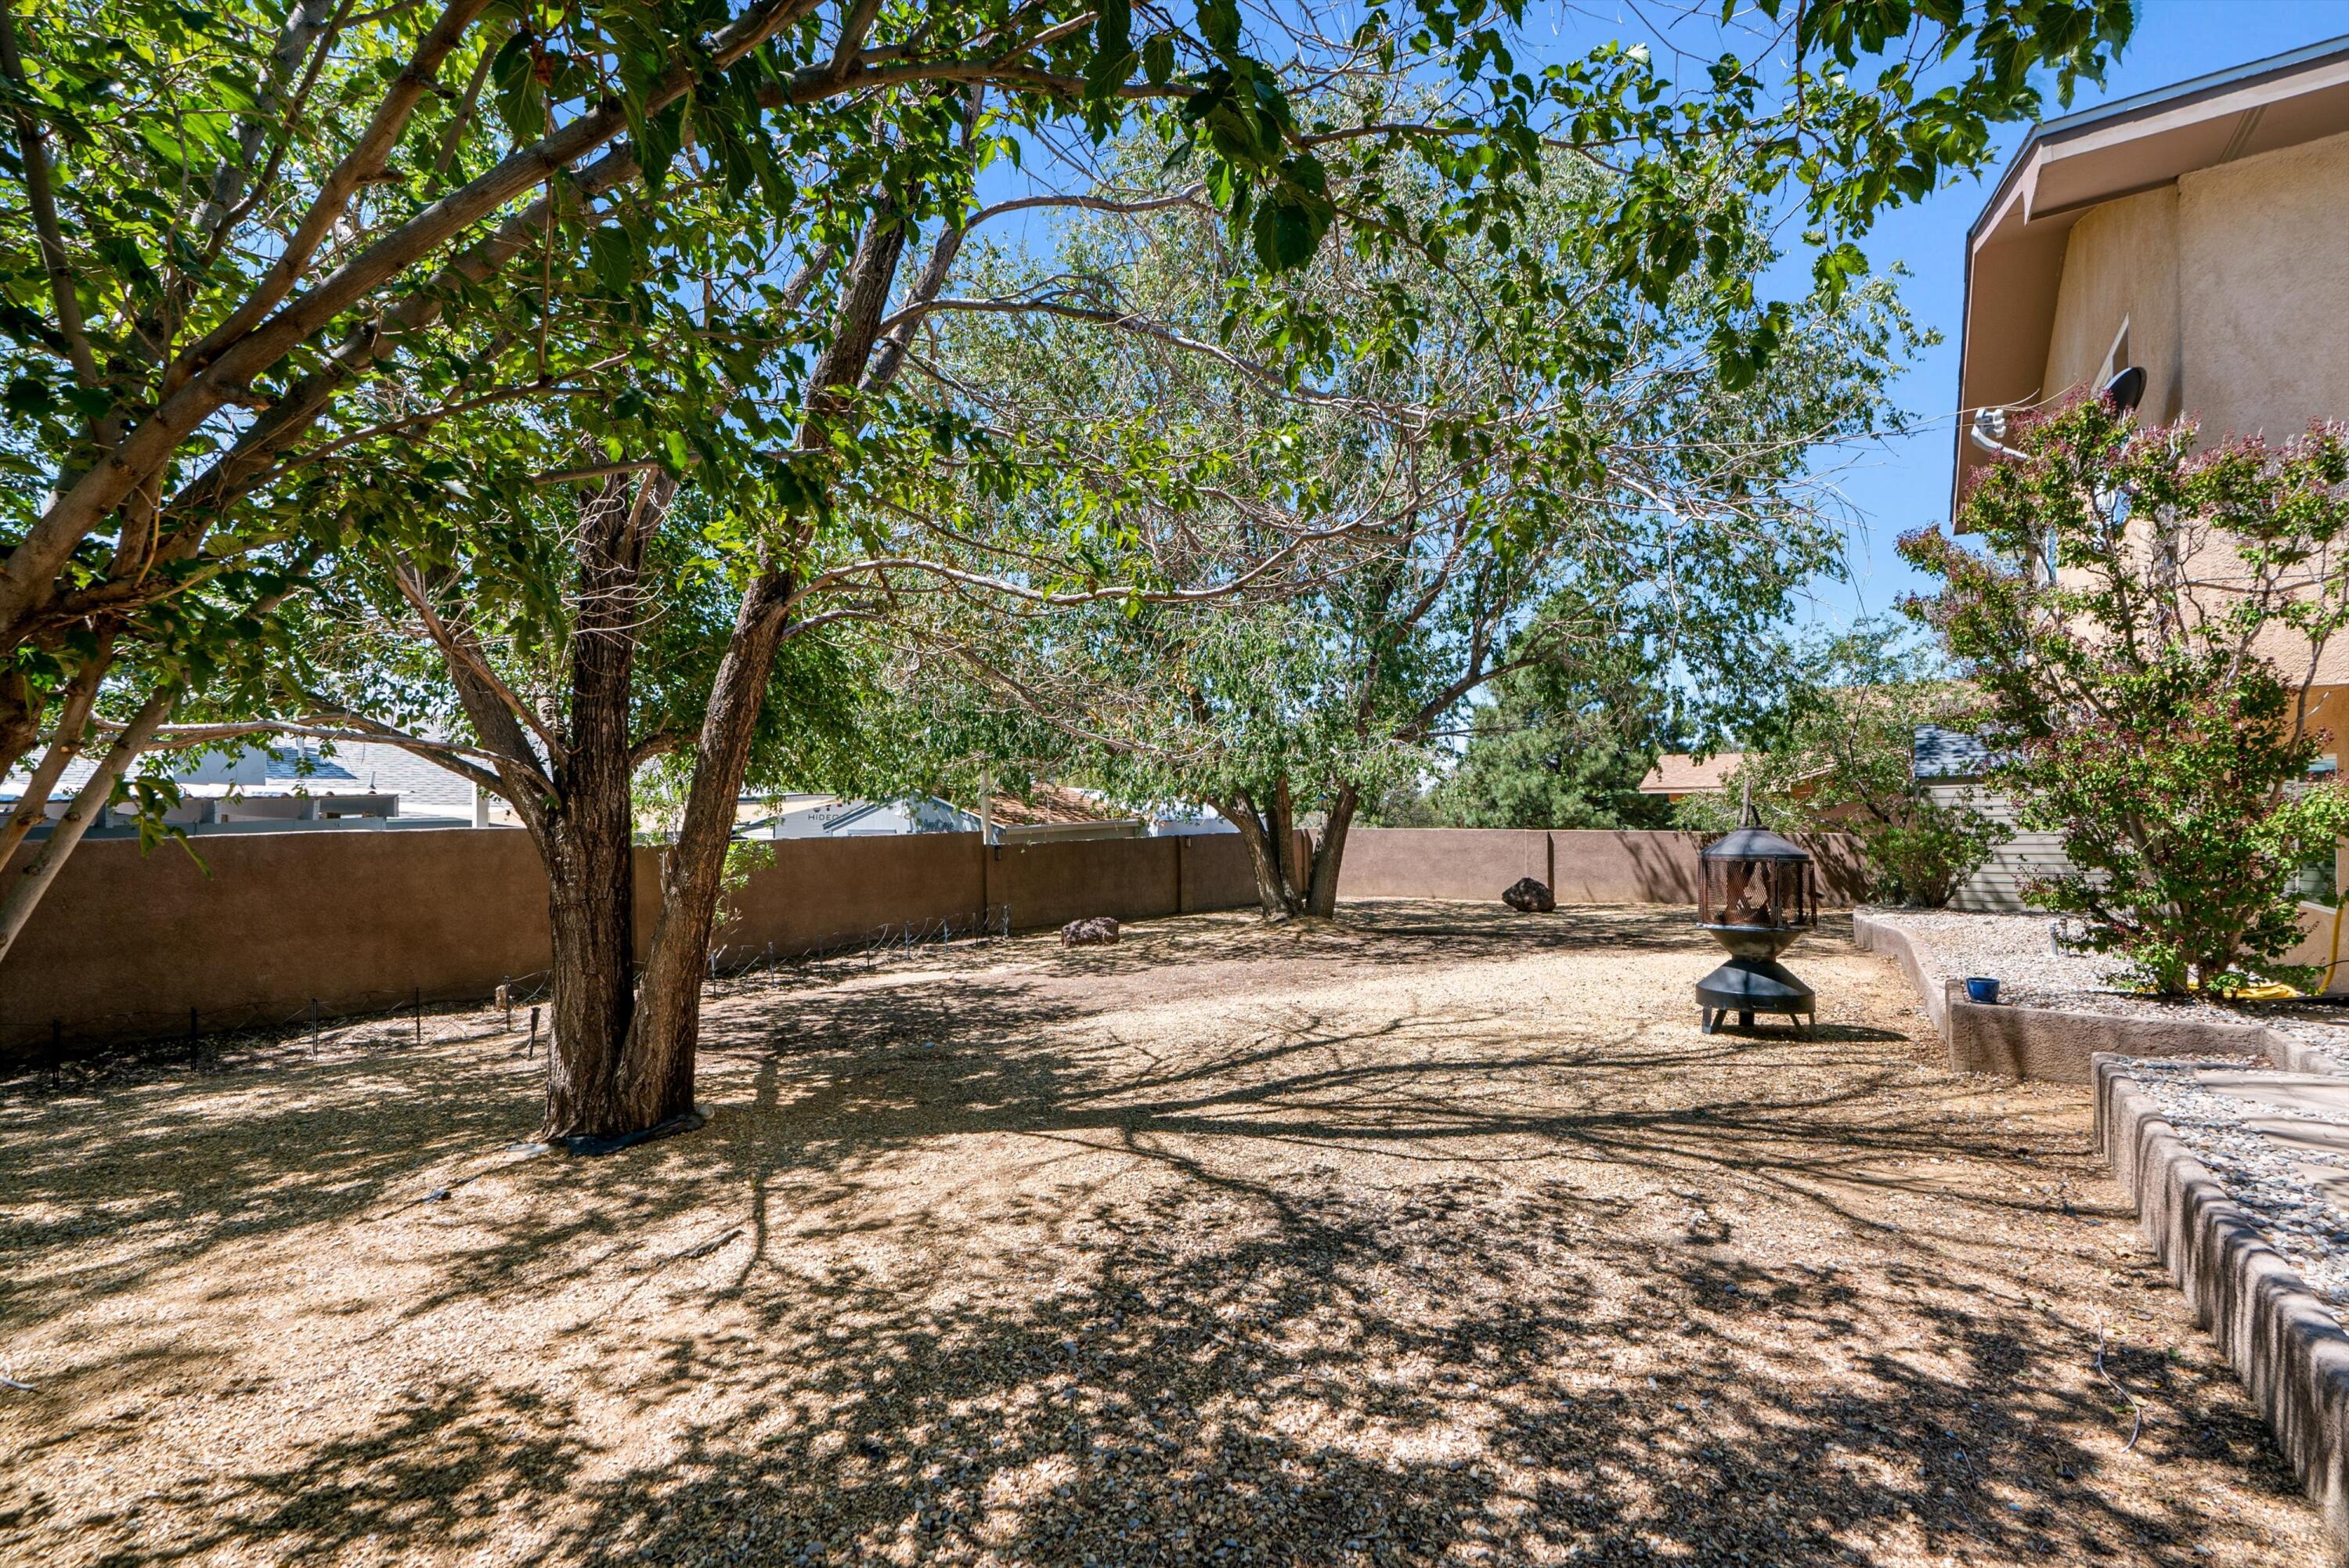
[
  {"x": 425, "y": 788},
  {"x": 1938, "y": 753},
  {"x": 1180, "y": 819},
  {"x": 832, "y": 816},
  {"x": 1054, "y": 805},
  {"x": 1055, "y": 812},
  {"x": 1677, "y": 773},
  {"x": 2015, "y": 249},
  {"x": 370, "y": 766}
]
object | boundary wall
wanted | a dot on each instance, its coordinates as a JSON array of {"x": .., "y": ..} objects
[
  {"x": 1580, "y": 865},
  {"x": 129, "y": 947},
  {"x": 156, "y": 946}
]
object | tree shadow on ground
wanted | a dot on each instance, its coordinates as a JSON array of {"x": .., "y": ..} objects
[
  {"x": 1307, "y": 1375},
  {"x": 1318, "y": 1280}
]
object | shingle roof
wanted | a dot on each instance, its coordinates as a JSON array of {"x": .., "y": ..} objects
[
  {"x": 1938, "y": 753},
  {"x": 387, "y": 768},
  {"x": 424, "y": 787}
]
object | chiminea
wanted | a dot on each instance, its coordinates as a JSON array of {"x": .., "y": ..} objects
[{"x": 1760, "y": 894}]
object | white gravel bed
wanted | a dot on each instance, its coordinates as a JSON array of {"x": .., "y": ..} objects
[
  {"x": 2018, "y": 951},
  {"x": 2269, "y": 1181}
]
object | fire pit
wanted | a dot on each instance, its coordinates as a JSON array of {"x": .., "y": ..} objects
[{"x": 1760, "y": 895}]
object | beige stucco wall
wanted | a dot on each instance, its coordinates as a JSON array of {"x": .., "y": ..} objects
[
  {"x": 2235, "y": 286},
  {"x": 130, "y": 945},
  {"x": 2263, "y": 261},
  {"x": 2234, "y": 283},
  {"x": 2121, "y": 264}
]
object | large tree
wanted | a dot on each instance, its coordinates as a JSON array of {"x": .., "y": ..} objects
[
  {"x": 1494, "y": 464},
  {"x": 219, "y": 224},
  {"x": 1553, "y": 748}
]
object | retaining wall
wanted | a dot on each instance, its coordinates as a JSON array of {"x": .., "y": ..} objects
[
  {"x": 2025, "y": 1042},
  {"x": 2286, "y": 1345}
]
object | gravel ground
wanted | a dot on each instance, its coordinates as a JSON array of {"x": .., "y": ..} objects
[
  {"x": 2287, "y": 1182},
  {"x": 1437, "y": 1235},
  {"x": 2017, "y": 951},
  {"x": 2276, "y": 1160}
]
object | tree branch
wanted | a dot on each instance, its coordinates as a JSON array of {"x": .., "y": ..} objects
[{"x": 40, "y": 194}]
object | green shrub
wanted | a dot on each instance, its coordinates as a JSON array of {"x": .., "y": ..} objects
[{"x": 2135, "y": 686}]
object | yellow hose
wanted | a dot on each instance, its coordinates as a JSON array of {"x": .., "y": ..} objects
[
  {"x": 2275, "y": 991},
  {"x": 2278, "y": 993},
  {"x": 2326, "y": 984}
]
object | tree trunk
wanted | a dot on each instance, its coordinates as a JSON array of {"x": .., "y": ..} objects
[
  {"x": 65, "y": 744},
  {"x": 1330, "y": 853},
  {"x": 588, "y": 842},
  {"x": 1266, "y": 837},
  {"x": 657, "y": 1074},
  {"x": 591, "y": 915},
  {"x": 20, "y": 719},
  {"x": 658, "y": 1070}
]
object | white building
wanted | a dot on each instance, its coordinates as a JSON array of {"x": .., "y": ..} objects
[{"x": 289, "y": 787}]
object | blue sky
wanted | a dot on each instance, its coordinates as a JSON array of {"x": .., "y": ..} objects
[{"x": 1906, "y": 484}]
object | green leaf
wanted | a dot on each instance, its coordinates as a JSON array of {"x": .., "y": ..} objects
[
  {"x": 521, "y": 106},
  {"x": 1112, "y": 60},
  {"x": 1220, "y": 24},
  {"x": 29, "y": 394}
]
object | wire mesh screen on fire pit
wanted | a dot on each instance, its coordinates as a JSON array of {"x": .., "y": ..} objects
[
  {"x": 1760, "y": 894},
  {"x": 1753, "y": 877}
]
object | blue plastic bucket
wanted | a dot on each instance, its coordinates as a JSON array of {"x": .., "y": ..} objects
[{"x": 1981, "y": 990}]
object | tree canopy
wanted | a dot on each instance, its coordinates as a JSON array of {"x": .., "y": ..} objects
[
  {"x": 539, "y": 332},
  {"x": 1501, "y": 466}
]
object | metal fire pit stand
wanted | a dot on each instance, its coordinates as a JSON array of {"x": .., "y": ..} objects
[{"x": 1760, "y": 895}]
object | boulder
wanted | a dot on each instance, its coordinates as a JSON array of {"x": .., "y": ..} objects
[
  {"x": 1527, "y": 896},
  {"x": 1099, "y": 932}
]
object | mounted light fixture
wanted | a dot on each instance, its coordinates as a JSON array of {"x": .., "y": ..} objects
[{"x": 1989, "y": 433}]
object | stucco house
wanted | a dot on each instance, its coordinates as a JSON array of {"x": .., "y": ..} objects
[{"x": 2198, "y": 234}]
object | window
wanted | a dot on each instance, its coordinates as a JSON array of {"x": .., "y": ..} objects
[{"x": 2117, "y": 357}]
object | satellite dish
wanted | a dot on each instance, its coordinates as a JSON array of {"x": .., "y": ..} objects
[{"x": 2126, "y": 390}]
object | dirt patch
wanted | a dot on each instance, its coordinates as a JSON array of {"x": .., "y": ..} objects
[{"x": 1436, "y": 1235}]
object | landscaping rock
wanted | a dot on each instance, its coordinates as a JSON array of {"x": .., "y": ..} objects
[
  {"x": 1099, "y": 932},
  {"x": 1528, "y": 896}
]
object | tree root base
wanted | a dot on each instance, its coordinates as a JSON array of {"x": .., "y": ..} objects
[{"x": 612, "y": 1143}]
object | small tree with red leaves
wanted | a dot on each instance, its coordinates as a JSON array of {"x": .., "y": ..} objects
[{"x": 2143, "y": 627}]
